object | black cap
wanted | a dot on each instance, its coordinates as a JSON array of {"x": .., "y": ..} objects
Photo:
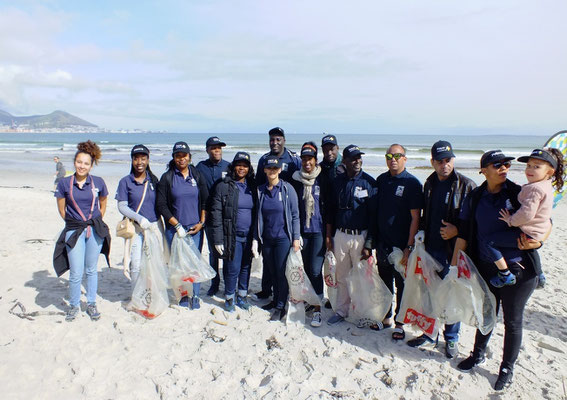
[
  {"x": 214, "y": 141},
  {"x": 241, "y": 156},
  {"x": 180, "y": 147},
  {"x": 139, "y": 149},
  {"x": 277, "y": 131},
  {"x": 273, "y": 162},
  {"x": 540, "y": 155},
  {"x": 441, "y": 150},
  {"x": 308, "y": 149},
  {"x": 493, "y": 156},
  {"x": 329, "y": 139},
  {"x": 351, "y": 150}
]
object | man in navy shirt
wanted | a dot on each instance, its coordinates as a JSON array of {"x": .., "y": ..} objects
[
  {"x": 444, "y": 192},
  {"x": 289, "y": 160},
  {"x": 399, "y": 201},
  {"x": 349, "y": 213},
  {"x": 213, "y": 170},
  {"x": 290, "y": 163}
]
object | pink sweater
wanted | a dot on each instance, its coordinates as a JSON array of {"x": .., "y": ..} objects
[{"x": 534, "y": 215}]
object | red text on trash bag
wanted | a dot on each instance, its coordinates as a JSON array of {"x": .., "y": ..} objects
[
  {"x": 427, "y": 324},
  {"x": 463, "y": 267}
]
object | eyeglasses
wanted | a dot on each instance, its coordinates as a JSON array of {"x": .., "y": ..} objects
[
  {"x": 395, "y": 156},
  {"x": 498, "y": 165}
]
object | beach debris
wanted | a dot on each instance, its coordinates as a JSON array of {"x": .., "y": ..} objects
[
  {"x": 385, "y": 378},
  {"x": 220, "y": 322},
  {"x": 265, "y": 380},
  {"x": 23, "y": 314},
  {"x": 34, "y": 241},
  {"x": 273, "y": 343},
  {"x": 210, "y": 334},
  {"x": 546, "y": 346},
  {"x": 338, "y": 394}
]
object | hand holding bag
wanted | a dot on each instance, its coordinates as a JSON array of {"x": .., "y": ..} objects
[{"x": 125, "y": 228}]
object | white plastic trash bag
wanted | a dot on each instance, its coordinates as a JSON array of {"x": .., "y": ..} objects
[
  {"x": 330, "y": 278},
  {"x": 300, "y": 289},
  {"x": 149, "y": 297},
  {"x": 464, "y": 296},
  {"x": 395, "y": 258},
  {"x": 187, "y": 266},
  {"x": 418, "y": 306},
  {"x": 370, "y": 298}
]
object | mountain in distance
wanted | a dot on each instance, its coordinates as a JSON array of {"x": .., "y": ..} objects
[{"x": 55, "y": 120}]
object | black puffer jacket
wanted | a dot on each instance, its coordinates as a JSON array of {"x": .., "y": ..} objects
[{"x": 224, "y": 211}]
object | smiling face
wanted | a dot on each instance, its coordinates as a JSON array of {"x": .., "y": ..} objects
[
  {"x": 277, "y": 144},
  {"x": 182, "y": 160},
  {"x": 215, "y": 153},
  {"x": 140, "y": 163},
  {"x": 538, "y": 170},
  {"x": 308, "y": 163},
  {"x": 241, "y": 169},
  {"x": 272, "y": 173},
  {"x": 443, "y": 167},
  {"x": 83, "y": 164},
  {"x": 353, "y": 165}
]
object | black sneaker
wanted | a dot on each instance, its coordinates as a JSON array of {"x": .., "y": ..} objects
[
  {"x": 541, "y": 281},
  {"x": 72, "y": 313},
  {"x": 421, "y": 341},
  {"x": 269, "y": 306},
  {"x": 263, "y": 295},
  {"x": 472, "y": 361},
  {"x": 212, "y": 290},
  {"x": 93, "y": 312},
  {"x": 278, "y": 315},
  {"x": 504, "y": 379}
]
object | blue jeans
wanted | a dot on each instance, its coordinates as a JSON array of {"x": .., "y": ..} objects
[
  {"x": 490, "y": 246},
  {"x": 313, "y": 254},
  {"x": 275, "y": 252},
  {"x": 451, "y": 332},
  {"x": 198, "y": 238},
  {"x": 83, "y": 259},
  {"x": 238, "y": 269}
]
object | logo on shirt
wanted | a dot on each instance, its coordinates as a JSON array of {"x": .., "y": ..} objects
[
  {"x": 400, "y": 191},
  {"x": 193, "y": 182},
  {"x": 509, "y": 205},
  {"x": 316, "y": 190},
  {"x": 284, "y": 166},
  {"x": 360, "y": 193},
  {"x": 447, "y": 198},
  {"x": 280, "y": 196}
]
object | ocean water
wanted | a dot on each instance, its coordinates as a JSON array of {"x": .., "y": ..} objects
[{"x": 35, "y": 151}]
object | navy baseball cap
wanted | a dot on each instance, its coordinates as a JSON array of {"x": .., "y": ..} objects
[
  {"x": 214, "y": 141},
  {"x": 441, "y": 150},
  {"x": 329, "y": 139},
  {"x": 492, "y": 156},
  {"x": 180, "y": 147},
  {"x": 241, "y": 156},
  {"x": 277, "y": 131},
  {"x": 308, "y": 149},
  {"x": 139, "y": 149},
  {"x": 540, "y": 155},
  {"x": 351, "y": 150},
  {"x": 273, "y": 162}
]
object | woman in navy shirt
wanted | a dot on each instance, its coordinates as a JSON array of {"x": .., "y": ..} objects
[
  {"x": 308, "y": 184},
  {"x": 278, "y": 229},
  {"x": 233, "y": 216},
  {"x": 480, "y": 217},
  {"x": 181, "y": 200},
  {"x": 140, "y": 183},
  {"x": 81, "y": 201}
]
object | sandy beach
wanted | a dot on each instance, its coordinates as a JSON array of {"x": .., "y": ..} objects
[{"x": 211, "y": 354}]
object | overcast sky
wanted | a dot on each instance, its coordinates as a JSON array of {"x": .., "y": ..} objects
[{"x": 308, "y": 66}]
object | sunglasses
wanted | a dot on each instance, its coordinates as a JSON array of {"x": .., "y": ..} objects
[
  {"x": 505, "y": 164},
  {"x": 395, "y": 156}
]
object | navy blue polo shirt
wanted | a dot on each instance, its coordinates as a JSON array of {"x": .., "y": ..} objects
[
  {"x": 211, "y": 172},
  {"x": 290, "y": 164},
  {"x": 397, "y": 195},
  {"x": 185, "y": 195},
  {"x": 440, "y": 193},
  {"x": 487, "y": 222},
  {"x": 273, "y": 213},
  {"x": 353, "y": 198},
  {"x": 93, "y": 185},
  {"x": 245, "y": 206},
  {"x": 316, "y": 220},
  {"x": 132, "y": 191}
]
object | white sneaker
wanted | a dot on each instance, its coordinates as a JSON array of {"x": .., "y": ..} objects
[{"x": 316, "y": 320}]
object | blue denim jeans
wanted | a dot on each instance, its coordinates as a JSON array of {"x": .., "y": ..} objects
[
  {"x": 198, "y": 238},
  {"x": 83, "y": 259},
  {"x": 491, "y": 245},
  {"x": 275, "y": 252},
  {"x": 451, "y": 332},
  {"x": 238, "y": 269},
  {"x": 313, "y": 254}
]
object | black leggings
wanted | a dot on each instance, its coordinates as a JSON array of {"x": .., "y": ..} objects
[{"x": 513, "y": 300}]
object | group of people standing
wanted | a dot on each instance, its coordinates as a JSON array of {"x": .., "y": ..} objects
[{"x": 295, "y": 203}]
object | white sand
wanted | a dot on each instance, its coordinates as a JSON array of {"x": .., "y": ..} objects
[{"x": 188, "y": 354}]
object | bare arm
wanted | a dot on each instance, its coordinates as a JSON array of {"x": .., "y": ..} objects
[
  {"x": 61, "y": 203},
  {"x": 460, "y": 244},
  {"x": 414, "y": 226},
  {"x": 102, "y": 202}
]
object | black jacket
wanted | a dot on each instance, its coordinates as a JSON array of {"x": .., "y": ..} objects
[
  {"x": 164, "y": 201},
  {"x": 223, "y": 214},
  {"x": 60, "y": 259},
  {"x": 461, "y": 186}
]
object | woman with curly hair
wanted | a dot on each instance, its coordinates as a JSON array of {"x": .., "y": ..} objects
[{"x": 81, "y": 202}]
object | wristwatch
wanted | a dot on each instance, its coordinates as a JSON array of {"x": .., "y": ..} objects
[{"x": 410, "y": 247}]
